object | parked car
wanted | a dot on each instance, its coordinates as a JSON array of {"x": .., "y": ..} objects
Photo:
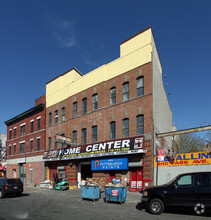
[
  {"x": 10, "y": 186},
  {"x": 189, "y": 190}
]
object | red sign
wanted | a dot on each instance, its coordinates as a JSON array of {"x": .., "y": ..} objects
[
  {"x": 114, "y": 192},
  {"x": 2, "y": 168},
  {"x": 161, "y": 153}
]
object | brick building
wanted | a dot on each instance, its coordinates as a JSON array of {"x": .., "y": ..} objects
[
  {"x": 111, "y": 115},
  {"x": 26, "y": 144}
]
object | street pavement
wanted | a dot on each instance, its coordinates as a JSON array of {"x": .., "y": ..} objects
[
  {"x": 46, "y": 204},
  {"x": 132, "y": 197}
]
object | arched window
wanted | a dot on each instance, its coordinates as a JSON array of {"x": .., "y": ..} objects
[
  {"x": 94, "y": 134},
  {"x": 125, "y": 91},
  {"x": 113, "y": 96},
  {"x": 140, "y": 124},
  {"x": 125, "y": 127},
  {"x": 113, "y": 130},
  {"x": 140, "y": 86}
]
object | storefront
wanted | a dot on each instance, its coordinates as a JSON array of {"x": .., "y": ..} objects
[
  {"x": 2, "y": 170},
  {"x": 121, "y": 159}
]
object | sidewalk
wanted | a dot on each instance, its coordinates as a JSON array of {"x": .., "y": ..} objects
[{"x": 132, "y": 197}]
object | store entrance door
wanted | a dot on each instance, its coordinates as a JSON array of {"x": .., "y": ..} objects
[
  {"x": 136, "y": 179},
  {"x": 23, "y": 173},
  {"x": 86, "y": 171}
]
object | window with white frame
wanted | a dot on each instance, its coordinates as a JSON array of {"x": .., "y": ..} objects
[
  {"x": 38, "y": 144},
  {"x": 38, "y": 123},
  {"x": 31, "y": 145},
  {"x": 22, "y": 147},
  {"x": 22, "y": 133}
]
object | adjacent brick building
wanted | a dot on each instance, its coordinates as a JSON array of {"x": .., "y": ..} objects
[
  {"x": 110, "y": 114},
  {"x": 26, "y": 144}
]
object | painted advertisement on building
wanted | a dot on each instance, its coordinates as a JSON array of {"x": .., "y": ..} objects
[
  {"x": 131, "y": 145},
  {"x": 110, "y": 164},
  {"x": 197, "y": 158}
]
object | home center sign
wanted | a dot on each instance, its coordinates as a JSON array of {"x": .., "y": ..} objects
[{"x": 132, "y": 145}]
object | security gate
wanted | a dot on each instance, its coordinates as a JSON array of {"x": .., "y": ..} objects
[
  {"x": 31, "y": 177},
  {"x": 23, "y": 173}
]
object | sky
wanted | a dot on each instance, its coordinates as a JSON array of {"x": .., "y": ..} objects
[{"x": 41, "y": 39}]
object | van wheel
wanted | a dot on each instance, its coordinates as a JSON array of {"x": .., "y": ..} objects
[{"x": 156, "y": 206}]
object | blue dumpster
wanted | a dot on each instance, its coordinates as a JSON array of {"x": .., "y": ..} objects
[
  {"x": 115, "y": 194},
  {"x": 90, "y": 192}
]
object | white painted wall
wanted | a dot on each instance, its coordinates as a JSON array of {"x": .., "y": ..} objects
[
  {"x": 167, "y": 173},
  {"x": 162, "y": 114}
]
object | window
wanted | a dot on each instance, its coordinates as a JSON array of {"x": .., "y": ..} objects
[
  {"x": 14, "y": 149},
  {"x": 31, "y": 145},
  {"x": 140, "y": 86},
  {"x": 113, "y": 130},
  {"x": 38, "y": 144},
  {"x": 204, "y": 179},
  {"x": 125, "y": 91},
  {"x": 75, "y": 109},
  {"x": 74, "y": 138},
  {"x": 56, "y": 116},
  {"x": 22, "y": 148},
  {"x": 10, "y": 149},
  {"x": 63, "y": 113},
  {"x": 140, "y": 124},
  {"x": 125, "y": 129},
  {"x": 56, "y": 144},
  {"x": 49, "y": 143},
  {"x": 84, "y": 106},
  {"x": 113, "y": 96},
  {"x": 22, "y": 130},
  {"x": 38, "y": 124},
  {"x": 14, "y": 132},
  {"x": 83, "y": 136},
  {"x": 32, "y": 126},
  {"x": 94, "y": 134},
  {"x": 185, "y": 181},
  {"x": 10, "y": 134},
  {"x": 94, "y": 102},
  {"x": 50, "y": 119}
]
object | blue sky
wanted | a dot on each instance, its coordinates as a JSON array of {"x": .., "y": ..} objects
[{"x": 41, "y": 39}]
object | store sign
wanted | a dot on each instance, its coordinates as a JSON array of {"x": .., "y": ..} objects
[
  {"x": 161, "y": 153},
  {"x": 132, "y": 145},
  {"x": 63, "y": 139},
  {"x": 198, "y": 158},
  {"x": 110, "y": 164},
  {"x": 21, "y": 160},
  {"x": 114, "y": 192}
]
